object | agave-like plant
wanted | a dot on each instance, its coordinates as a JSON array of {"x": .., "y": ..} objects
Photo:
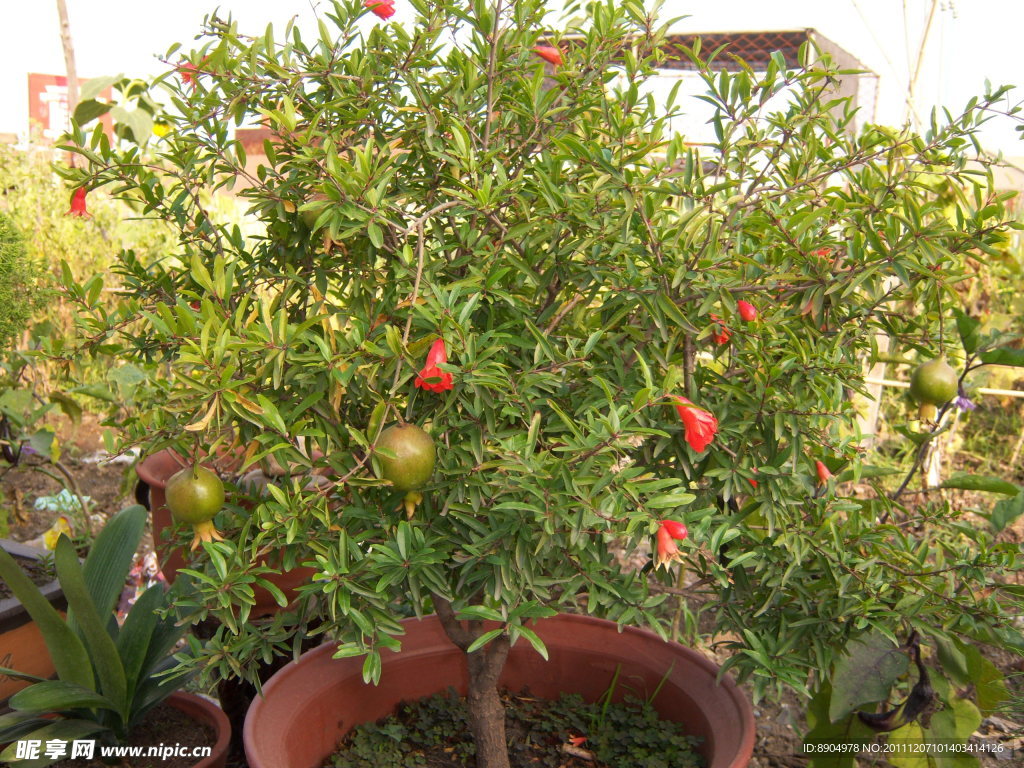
[{"x": 108, "y": 676}]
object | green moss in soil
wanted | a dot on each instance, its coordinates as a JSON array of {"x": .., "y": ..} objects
[{"x": 434, "y": 733}]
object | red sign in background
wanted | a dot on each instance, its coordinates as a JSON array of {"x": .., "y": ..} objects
[{"x": 48, "y": 106}]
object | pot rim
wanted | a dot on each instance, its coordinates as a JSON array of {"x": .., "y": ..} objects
[{"x": 202, "y": 709}]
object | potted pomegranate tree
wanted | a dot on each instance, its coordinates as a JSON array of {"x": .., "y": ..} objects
[{"x": 525, "y": 330}]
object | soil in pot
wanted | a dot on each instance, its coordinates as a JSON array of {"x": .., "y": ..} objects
[
  {"x": 567, "y": 733},
  {"x": 163, "y": 726},
  {"x": 37, "y": 571}
]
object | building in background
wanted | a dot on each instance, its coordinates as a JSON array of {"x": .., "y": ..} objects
[
  {"x": 755, "y": 49},
  {"x": 48, "y": 107}
]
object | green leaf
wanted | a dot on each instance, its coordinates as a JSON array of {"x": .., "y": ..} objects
[
  {"x": 371, "y": 668},
  {"x": 967, "y": 327},
  {"x": 483, "y": 640},
  {"x": 110, "y": 558},
  {"x": 156, "y": 688},
  {"x": 58, "y": 696},
  {"x": 535, "y": 641},
  {"x": 918, "y": 438},
  {"x": 14, "y": 725},
  {"x": 89, "y": 109},
  {"x": 167, "y": 631},
  {"x": 138, "y": 121},
  {"x": 94, "y": 86},
  {"x": 136, "y": 633},
  {"x": 69, "y": 655},
  {"x": 823, "y": 731},
  {"x": 1003, "y": 356},
  {"x": 865, "y": 472},
  {"x": 987, "y": 483},
  {"x": 376, "y": 234},
  {"x": 67, "y": 405},
  {"x": 64, "y": 730},
  {"x": 102, "y": 651},
  {"x": 670, "y": 501},
  {"x": 479, "y": 612},
  {"x": 866, "y": 673},
  {"x": 953, "y": 660},
  {"x": 1006, "y": 511},
  {"x": 910, "y": 751},
  {"x": 13, "y": 673},
  {"x": 989, "y": 683}
]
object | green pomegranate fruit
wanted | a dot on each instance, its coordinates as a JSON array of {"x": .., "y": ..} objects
[
  {"x": 933, "y": 383},
  {"x": 310, "y": 215},
  {"x": 195, "y": 495},
  {"x": 414, "y": 456}
]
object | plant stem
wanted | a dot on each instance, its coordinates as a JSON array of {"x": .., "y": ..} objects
[{"x": 486, "y": 712}]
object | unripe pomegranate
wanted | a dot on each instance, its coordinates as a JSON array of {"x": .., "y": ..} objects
[
  {"x": 932, "y": 384},
  {"x": 413, "y": 461},
  {"x": 195, "y": 495}
]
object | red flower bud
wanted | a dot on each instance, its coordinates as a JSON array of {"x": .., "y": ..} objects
[
  {"x": 78, "y": 204},
  {"x": 700, "y": 425},
  {"x": 385, "y": 9},
  {"x": 431, "y": 377},
  {"x": 747, "y": 311},
  {"x": 721, "y": 333},
  {"x": 549, "y": 53},
  {"x": 675, "y": 529}
]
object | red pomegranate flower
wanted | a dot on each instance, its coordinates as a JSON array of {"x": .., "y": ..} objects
[
  {"x": 721, "y": 333},
  {"x": 187, "y": 71},
  {"x": 385, "y": 9},
  {"x": 823, "y": 474},
  {"x": 431, "y": 377},
  {"x": 747, "y": 311},
  {"x": 78, "y": 204},
  {"x": 549, "y": 53},
  {"x": 700, "y": 425},
  {"x": 666, "y": 550}
]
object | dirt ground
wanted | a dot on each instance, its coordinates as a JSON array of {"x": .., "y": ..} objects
[{"x": 110, "y": 487}]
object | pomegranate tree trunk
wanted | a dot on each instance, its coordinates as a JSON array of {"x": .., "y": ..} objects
[{"x": 486, "y": 712}]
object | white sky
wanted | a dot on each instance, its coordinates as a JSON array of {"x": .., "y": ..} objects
[{"x": 970, "y": 40}]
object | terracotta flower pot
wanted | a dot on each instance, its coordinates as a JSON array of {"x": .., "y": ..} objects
[
  {"x": 21, "y": 643},
  {"x": 308, "y": 706},
  {"x": 203, "y": 711},
  {"x": 154, "y": 472}
]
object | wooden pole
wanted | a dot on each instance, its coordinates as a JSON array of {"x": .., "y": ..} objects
[{"x": 69, "y": 56}]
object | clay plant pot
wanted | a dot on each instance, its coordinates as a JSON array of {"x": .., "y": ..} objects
[
  {"x": 21, "y": 643},
  {"x": 208, "y": 713},
  {"x": 308, "y": 706},
  {"x": 154, "y": 472}
]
